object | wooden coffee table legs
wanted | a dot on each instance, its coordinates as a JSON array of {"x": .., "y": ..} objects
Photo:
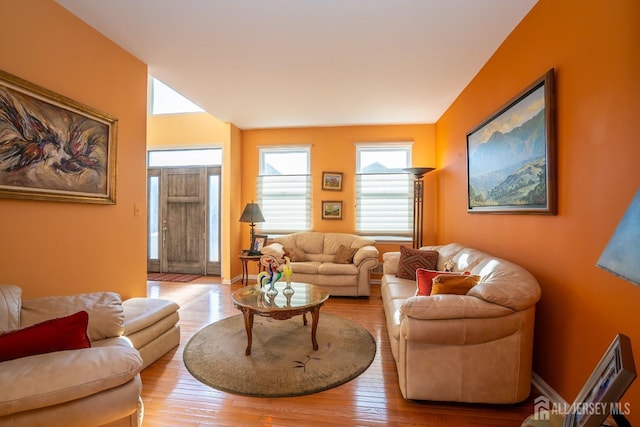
[
  {"x": 248, "y": 314},
  {"x": 315, "y": 316}
]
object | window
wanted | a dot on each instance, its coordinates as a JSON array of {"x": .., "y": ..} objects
[
  {"x": 191, "y": 157},
  {"x": 384, "y": 200},
  {"x": 284, "y": 189},
  {"x": 165, "y": 100}
]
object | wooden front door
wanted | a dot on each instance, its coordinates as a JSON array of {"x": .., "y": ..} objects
[{"x": 183, "y": 199}]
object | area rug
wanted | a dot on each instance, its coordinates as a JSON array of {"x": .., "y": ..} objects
[
  {"x": 282, "y": 361},
  {"x": 172, "y": 277}
]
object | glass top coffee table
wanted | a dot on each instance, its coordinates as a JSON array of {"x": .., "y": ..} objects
[{"x": 306, "y": 298}]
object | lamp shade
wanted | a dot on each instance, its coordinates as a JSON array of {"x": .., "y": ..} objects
[
  {"x": 622, "y": 254},
  {"x": 418, "y": 172},
  {"x": 251, "y": 214}
]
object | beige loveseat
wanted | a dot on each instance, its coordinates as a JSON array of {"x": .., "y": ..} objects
[
  {"x": 313, "y": 259},
  {"x": 464, "y": 348},
  {"x": 90, "y": 386}
]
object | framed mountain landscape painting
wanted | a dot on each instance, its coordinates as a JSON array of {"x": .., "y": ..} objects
[{"x": 511, "y": 157}]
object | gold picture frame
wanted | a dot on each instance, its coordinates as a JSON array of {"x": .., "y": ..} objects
[
  {"x": 332, "y": 181},
  {"x": 511, "y": 156},
  {"x": 54, "y": 148},
  {"x": 331, "y": 209}
]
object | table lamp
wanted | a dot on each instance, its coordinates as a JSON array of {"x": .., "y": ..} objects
[{"x": 251, "y": 215}]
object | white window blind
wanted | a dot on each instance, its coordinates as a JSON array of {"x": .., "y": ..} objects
[
  {"x": 284, "y": 190},
  {"x": 384, "y": 198}
]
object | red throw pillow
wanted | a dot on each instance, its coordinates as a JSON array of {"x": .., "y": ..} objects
[
  {"x": 424, "y": 280},
  {"x": 413, "y": 259},
  {"x": 63, "y": 333}
]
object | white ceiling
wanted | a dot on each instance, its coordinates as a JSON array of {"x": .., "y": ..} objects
[{"x": 290, "y": 63}]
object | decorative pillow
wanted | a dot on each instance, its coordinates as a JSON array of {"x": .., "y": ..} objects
[
  {"x": 294, "y": 254},
  {"x": 413, "y": 259},
  {"x": 424, "y": 280},
  {"x": 62, "y": 333},
  {"x": 344, "y": 255},
  {"x": 454, "y": 284}
]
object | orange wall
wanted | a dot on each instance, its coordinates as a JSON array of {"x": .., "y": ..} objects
[
  {"x": 333, "y": 149},
  {"x": 593, "y": 46},
  {"x": 52, "y": 248}
]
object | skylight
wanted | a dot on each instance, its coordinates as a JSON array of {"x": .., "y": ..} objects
[{"x": 165, "y": 100}]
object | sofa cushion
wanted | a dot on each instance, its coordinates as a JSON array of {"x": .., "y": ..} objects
[
  {"x": 50, "y": 379},
  {"x": 106, "y": 317},
  {"x": 294, "y": 254},
  {"x": 306, "y": 267},
  {"x": 331, "y": 268},
  {"x": 63, "y": 333},
  {"x": 10, "y": 303},
  {"x": 412, "y": 259},
  {"x": 456, "y": 284},
  {"x": 333, "y": 241},
  {"x": 344, "y": 255}
]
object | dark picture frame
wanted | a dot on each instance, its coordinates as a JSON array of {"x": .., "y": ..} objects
[
  {"x": 54, "y": 148},
  {"x": 332, "y": 181},
  {"x": 331, "y": 209},
  {"x": 257, "y": 243},
  {"x": 511, "y": 156},
  {"x": 605, "y": 387}
]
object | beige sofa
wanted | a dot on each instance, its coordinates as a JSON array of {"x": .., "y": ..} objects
[
  {"x": 317, "y": 253},
  {"x": 464, "y": 348},
  {"x": 91, "y": 386}
]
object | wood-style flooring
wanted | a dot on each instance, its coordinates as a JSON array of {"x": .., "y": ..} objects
[{"x": 172, "y": 397}]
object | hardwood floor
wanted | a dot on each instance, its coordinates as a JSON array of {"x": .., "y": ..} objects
[{"x": 172, "y": 397}]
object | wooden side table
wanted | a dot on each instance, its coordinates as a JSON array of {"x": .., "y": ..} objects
[{"x": 245, "y": 258}]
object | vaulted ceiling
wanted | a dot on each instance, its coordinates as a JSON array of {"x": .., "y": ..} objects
[{"x": 290, "y": 63}]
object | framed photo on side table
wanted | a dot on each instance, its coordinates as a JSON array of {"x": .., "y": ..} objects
[
  {"x": 332, "y": 181},
  {"x": 259, "y": 241}
]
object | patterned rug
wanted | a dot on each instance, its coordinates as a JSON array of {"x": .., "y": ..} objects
[
  {"x": 172, "y": 277},
  {"x": 282, "y": 361}
]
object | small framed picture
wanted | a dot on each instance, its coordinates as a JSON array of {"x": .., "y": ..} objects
[
  {"x": 601, "y": 394},
  {"x": 259, "y": 241},
  {"x": 332, "y": 181},
  {"x": 331, "y": 209}
]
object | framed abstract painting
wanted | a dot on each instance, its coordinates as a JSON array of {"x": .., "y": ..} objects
[{"x": 53, "y": 148}]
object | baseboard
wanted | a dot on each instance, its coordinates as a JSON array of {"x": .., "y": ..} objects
[{"x": 546, "y": 389}]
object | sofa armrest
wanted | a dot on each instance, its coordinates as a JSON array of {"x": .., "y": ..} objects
[
  {"x": 445, "y": 306},
  {"x": 365, "y": 253},
  {"x": 390, "y": 261}
]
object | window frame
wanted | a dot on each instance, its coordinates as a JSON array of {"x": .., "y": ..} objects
[
  {"x": 400, "y": 230},
  {"x": 299, "y": 211}
]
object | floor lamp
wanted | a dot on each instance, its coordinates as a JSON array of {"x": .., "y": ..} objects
[{"x": 418, "y": 203}]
